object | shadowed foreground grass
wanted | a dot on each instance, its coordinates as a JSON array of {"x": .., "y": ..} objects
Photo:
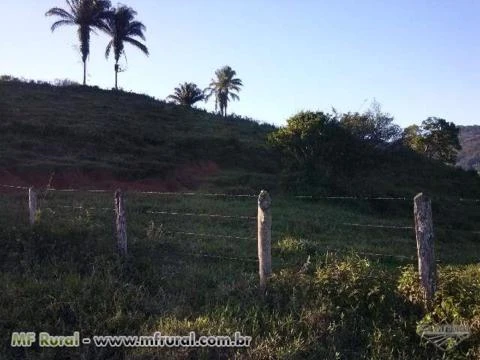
[{"x": 63, "y": 276}]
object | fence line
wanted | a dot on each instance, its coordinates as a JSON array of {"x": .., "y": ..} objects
[
  {"x": 314, "y": 197},
  {"x": 202, "y": 215},
  {"x": 396, "y": 227}
]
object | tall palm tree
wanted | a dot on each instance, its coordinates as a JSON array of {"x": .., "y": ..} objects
[
  {"x": 187, "y": 94},
  {"x": 224, "y": 86},
  {"x": 87, "y": 15},
  {"x": 122, "y": 28}
]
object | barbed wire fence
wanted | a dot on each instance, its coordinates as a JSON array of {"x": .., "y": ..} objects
[{"x": 423, "y": 225}]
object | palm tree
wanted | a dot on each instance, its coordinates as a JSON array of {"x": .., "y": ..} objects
[
  {"x": 87, "y": 15},
  {"x": 122, "y": 28},
  {"x": 187, "y": 94},
  {"x": 224, "y": 86}
]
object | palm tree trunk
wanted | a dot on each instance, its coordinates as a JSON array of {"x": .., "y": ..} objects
[
  {"x": 116, "y": 76},
  {"x": 84, "y": 72}
]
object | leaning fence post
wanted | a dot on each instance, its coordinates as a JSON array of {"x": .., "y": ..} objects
[
  {"x": 32, "y": 205},
  {"x": 120, "y": 223},
  {"x": 264, "y": 237},
  {"x": 425, "y": 245}
]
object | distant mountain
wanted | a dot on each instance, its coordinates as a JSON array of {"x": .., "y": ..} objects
[{"x": 469, "y": 156}]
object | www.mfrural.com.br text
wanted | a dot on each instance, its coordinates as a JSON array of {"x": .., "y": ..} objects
[{"x": 44, "y": 339}]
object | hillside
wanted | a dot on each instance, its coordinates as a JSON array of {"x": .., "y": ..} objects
[
  {"x": 469, "y": 156},
  {"x": 73, "y": 136},
  {"x": 87, "y": 135}
]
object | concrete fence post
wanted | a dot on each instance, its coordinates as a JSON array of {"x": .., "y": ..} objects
[
  {"x": 120, "y": 223},
  {"x": 264, "y": 238},
  {"x": 425, "y": 246},
  {"x": 32, "y": 205}
]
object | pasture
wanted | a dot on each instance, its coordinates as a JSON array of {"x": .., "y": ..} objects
[{"x": 338, "y": 290}]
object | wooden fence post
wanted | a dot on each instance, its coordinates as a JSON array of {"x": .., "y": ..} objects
[
  {"x": 32, "y": 205},
  {"x": 264, "y": 238},
  {"x": 425, "y": 245},
  {"x": 120, "y": 223}
]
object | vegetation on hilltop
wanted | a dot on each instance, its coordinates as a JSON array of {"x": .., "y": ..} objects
[
  {"x": 187, "y": 94},
  {"x": 435, "y": 138},
  {"x": 320, "y": 154},
  {"x": 224, "y": 87}
]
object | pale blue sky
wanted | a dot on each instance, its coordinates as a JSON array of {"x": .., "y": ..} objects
[{"x": 417, "y": 58}]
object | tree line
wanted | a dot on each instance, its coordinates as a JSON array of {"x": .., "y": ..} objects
[
  {"x": 321, "y": 145},
  {"x": 120, "y": 25}
]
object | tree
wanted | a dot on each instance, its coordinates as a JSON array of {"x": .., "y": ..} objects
[
  {"x": 122, "y": 28},
  {"x": 87, "y": 15},
  {"x": 373, "y": 126},
  {"x": 187, "y": 94},
  {"x": 224, "y": 86},
  {"x": 435, "y": 138},
  {"x": 440, "y": 139},
  {"x": 314, "y": 146}
]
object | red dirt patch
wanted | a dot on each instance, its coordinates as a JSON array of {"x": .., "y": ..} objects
[{"x": 184, "y": 177}]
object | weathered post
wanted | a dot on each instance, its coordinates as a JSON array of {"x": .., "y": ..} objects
[
  {"x": 32, "y": 205},
  {"x": 425, "y": 246},
  {"x": 120, "y": 223},
  {"x": 264, "y": 238}
]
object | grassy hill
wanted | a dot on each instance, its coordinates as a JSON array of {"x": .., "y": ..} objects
[
  {"x": 469, "y": 156},
  {"x": 106, "y": 134}
]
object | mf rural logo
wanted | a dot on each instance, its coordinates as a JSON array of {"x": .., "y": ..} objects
[{"x": 444, "y": 337}]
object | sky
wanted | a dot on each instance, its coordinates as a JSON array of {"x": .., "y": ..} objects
[{"x": 416, "y": 58}]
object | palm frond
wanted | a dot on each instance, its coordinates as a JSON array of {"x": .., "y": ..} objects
[
  {"x": 174, "y": 98},
  {"x": 108, "y": 49},
  {"x": 234, "y": 96},
  {"x": 61, "y": 23},
  {"x": 136, "y": 28},
  {"x": 138, "y": 44},
  {"x": 61, "y": 13}
]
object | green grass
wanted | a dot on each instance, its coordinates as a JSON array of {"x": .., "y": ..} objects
[{"x": 63, "y": 276}]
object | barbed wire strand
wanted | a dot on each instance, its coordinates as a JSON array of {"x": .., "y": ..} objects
[
  {"x": 202, "y": 215},
  {"x": 14, "y": 187},
  {"x": 194, "y": 194},
  {"x": 210, "y": 235},
  {"x": 249, "y": 260},
  {"x": 379, "y": 226},
  {"x": 349, "y": 197},
  {"x": 79, "y": 208}
]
